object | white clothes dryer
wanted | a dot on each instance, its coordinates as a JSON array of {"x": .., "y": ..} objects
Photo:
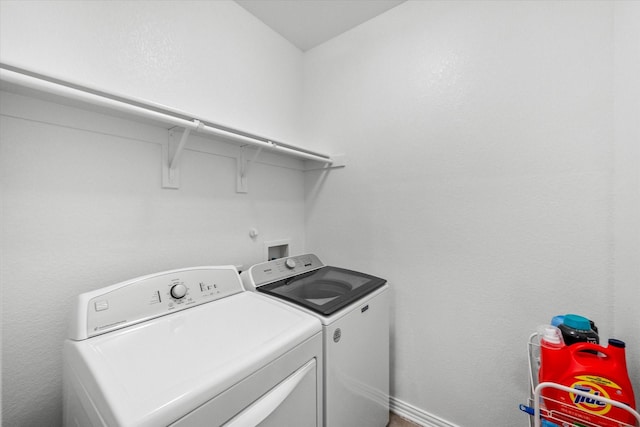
[
  {"x": 354, "y": 310},
  {"x": 190, "y": 347}
]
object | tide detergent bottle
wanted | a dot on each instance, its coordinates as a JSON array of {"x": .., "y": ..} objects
[{"x": 599, "y": 371}]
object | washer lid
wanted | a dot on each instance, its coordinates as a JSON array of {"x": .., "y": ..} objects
[
  {"x": 155, "y": 372},
  {"x": 325, "y": 290}
]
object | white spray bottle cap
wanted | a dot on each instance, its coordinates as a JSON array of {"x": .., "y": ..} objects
[{"x": 550, "y": 335}]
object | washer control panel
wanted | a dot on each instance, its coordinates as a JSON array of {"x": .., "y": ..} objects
[
  {"x": 147, "y": 297},
  {"x": 282, "y": 268}
]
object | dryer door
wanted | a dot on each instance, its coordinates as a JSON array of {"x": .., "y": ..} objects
[
  {"x": 288, "y": 401},
  {"x": 289, "y": 388}
]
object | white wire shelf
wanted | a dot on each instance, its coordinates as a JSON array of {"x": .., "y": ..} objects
[{"x": 562, "y": 414}]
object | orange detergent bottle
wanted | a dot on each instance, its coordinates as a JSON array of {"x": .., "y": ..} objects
[{"x": 599, "y": 371}]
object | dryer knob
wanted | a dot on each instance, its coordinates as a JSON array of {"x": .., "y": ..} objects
[
  {"x": 290, "y": 263},
  {"x": 178, "y": 291}
]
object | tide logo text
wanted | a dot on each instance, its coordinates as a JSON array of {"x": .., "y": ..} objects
[{"x": 588, "y": 400}]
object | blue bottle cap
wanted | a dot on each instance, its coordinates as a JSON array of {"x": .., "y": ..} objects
[
  {"x": 557, "y": 320},
  {"x": 577, "y": 322}
]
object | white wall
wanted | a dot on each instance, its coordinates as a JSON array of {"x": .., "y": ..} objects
[
  {"x": 209, "y": 58},
  {"x": 83, "y": 208},
  {"x": 483, "y": 180},
  {"x": 627, "y": 182},
  {"x": 480, "y": 138},
  {"x": 82, "y": 204}
]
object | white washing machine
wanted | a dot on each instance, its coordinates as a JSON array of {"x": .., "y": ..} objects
[
  {"x": 190, "y": 347},
  {"x": 354, "y": 310}
]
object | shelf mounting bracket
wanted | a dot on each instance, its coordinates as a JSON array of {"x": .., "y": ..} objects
[
  {"x": 171, "y": 153},
  {"x": 242, "y": 168}
]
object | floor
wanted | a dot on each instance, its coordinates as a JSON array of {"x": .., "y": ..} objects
[{"x": 397, "y": 421}]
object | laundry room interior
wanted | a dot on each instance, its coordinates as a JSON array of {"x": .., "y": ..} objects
[{"x": 485, "y": 160}]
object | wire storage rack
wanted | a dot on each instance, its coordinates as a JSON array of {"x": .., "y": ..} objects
[{"x": 538, "y": 403}]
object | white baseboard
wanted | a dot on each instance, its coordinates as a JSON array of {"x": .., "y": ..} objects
[{"x": 417, "y": 415}]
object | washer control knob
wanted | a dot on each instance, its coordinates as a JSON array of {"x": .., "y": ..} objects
[
  {"x": 290, "y": 263},
  {"x": 178, "y": 291}
]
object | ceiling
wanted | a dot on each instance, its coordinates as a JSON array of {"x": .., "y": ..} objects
[{"x": 308, "y": 23}]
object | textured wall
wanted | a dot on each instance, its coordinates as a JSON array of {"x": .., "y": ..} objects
[
  {"x": 83, "y": 208},
  {"x": 209, "y": 58},
  {"x": 492, "y": 176},
  {"x": 627, "y": 182},
  {"x": 82, "y": 205},
  {"x": 480, "y": 184}
]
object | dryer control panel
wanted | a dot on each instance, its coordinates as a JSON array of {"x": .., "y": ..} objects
[{"x": 147, "y": 297}]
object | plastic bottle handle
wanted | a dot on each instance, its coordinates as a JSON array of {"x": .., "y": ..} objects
[{"x": 584, "y": 347}]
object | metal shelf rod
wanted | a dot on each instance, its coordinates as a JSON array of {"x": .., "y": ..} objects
[{"x": 14, "y": 75}]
